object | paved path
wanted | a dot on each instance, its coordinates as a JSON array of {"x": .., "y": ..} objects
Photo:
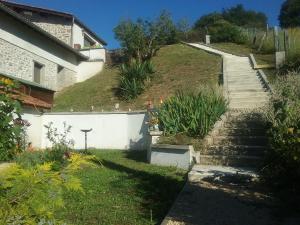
[
  {"x": 216, "y": 195},
  {"x": 242, "y": 83}
]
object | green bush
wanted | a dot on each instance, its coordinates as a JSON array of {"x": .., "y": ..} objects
[
  {"x": 193, "y": 114},
  {"x": 31, "y": 159},
  {"x": 33, "y": 195},
  {"x": 10, "y": 133},
  {"x": 133, "y": 78},
  {"x": 283, "y": 159},
  {"x": 223, "y": 31}
]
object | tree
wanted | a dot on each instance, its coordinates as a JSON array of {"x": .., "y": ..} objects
[
  {"x": 166, "y": 30},
  {"x": 290, "y": 14},
  {"x": 239, "y": 16},
  {"x": 132, "y": 38},
  {"x": 183, "y": 28},
  {"x": 141, "y": 39},
  {"x": 236, "y": 15},
  {"x": 208, "y": 20},
  {"x": 224, "y": 31}
]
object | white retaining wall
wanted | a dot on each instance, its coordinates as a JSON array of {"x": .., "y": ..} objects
[{"x": 117, "y": 130}]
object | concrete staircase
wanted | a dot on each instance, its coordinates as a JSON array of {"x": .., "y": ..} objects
[
  {"x": 241, "y": 140},
  {"x": 244, "y": 86}
]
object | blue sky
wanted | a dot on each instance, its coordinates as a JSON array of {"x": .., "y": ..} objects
[{"x": 103, "y": 15}]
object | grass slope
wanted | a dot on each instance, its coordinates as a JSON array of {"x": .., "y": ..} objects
[
  {"x": 125, "y": 191},
  {"x": 178, "y": 67}
]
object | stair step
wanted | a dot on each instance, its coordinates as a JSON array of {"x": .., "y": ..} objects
[
  {"x": 244, "y": 86},
  {"x": 238, "y": 161},
  {"x": 242, "y": 148},
  {"x": 247, "y": 105},
  {"x": 241, "y": 140},
  {"x": 243, "y": 83},
  {"x": 244, "y": 124},
  {"x": 243, "y": 79},
  {"x": 249, "y": 99},
  {"x": 242, "y": 131},
  {"x": 249, "y": 94}
]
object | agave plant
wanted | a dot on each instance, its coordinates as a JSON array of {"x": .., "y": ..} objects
[
  {"x": 133, "y": 77},
  {"x": 193, "y": 114}
]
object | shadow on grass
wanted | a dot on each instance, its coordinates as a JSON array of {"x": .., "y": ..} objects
[
  {"x": 157, "y": 191},
  {"x": 138, "y": 156}
]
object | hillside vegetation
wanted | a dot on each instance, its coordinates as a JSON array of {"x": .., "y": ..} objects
[{"x": 178, "y": 67}]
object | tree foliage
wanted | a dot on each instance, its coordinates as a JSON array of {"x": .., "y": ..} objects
[
  {"x": 290, "y": 14},
  {"x": 141, "y": 39},
  {"x": 208, "y": 20},
  {"x": 236, "y": 15},
  {"x": 239, "y": 16}
]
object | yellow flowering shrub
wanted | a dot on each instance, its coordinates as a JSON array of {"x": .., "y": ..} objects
[{"x": 31, "y": 195}]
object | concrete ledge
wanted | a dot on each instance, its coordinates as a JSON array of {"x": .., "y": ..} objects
[
  {"x": 181, "y": 156},
  {"x": 261, "y": 73},
  {"x": 265, "y": 80},
  {"x": 253, "y": 61},
  {"x": 95, "y": 113}
]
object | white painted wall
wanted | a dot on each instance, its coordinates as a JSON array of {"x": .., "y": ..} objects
[
  {"x": 78, "y": 36},
  {"x": 120, "y": 130},
  {"x": 34, "y": 131},
  {"x": 87, "y": 70},
  {"x": 95, "y": 53}
]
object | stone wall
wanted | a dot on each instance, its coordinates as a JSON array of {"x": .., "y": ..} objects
[
  {"x": 59, "y": 27},
  {"x": 65, "y": 78},
  {"x": 18, "y": 62}
]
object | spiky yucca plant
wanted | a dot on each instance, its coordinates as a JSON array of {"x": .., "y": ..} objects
[
  {"x": 133, "y": 77},
  {"x": 193, "y": 114}
]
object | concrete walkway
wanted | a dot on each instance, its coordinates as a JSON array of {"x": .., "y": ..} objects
[
  {"x": 216, "y": 195},
  {"x": 242, "y": 84}
]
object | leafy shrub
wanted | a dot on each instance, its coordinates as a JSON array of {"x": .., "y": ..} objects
[
  {"x": 193, "y": 114},
  {"x": 283, "y": 159},
  {"x": 9, "y": 110},
  {"x": 32, "y": 195},
  {"x": 30, "y": 159},
  {"x": 223, "y": 31},
  {"x": 133, "y": 78},
  {"x": 61, "y": 144}
]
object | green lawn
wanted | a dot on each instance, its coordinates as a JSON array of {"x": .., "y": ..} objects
[
  {"x": 178, "y": 67},
  {"x": 125, "y": 191}
]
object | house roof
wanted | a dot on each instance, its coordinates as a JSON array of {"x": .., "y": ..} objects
[
  {"x": 57, "y": 13},
  {"x": 28, "y": 100},
  {"x": 39, "y": 86},
  {"x": 40, "y": 30}
]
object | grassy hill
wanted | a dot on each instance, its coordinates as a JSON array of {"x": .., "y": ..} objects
[{"x": 178, "y": 67}]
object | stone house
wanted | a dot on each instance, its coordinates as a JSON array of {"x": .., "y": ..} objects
[{"x": 48, "y": 48}]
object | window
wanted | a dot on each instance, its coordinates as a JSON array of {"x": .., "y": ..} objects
[
  {"x": 38, "y": 72},
  {"x": 59, "y": 69},
  {"x": 88, "y": 42}
]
